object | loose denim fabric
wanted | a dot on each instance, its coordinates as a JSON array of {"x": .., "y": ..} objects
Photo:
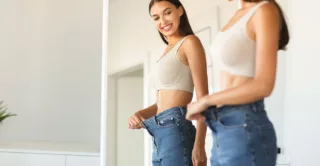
[{"x": 173, "y": 137}]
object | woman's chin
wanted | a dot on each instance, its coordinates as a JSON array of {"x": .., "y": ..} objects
[{"x": 168, "y": 34}]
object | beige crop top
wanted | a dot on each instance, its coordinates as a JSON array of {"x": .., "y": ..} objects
[
  {"x": 233, "y": 51},
  {"x": 171, "y": 73}
]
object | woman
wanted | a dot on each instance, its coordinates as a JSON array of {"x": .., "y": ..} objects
[
  {"x": 181, "y": 68},
  {"x": 245, "y": 52}
]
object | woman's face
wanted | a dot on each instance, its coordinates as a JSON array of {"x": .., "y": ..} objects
[{"x": 166, "y": 17}]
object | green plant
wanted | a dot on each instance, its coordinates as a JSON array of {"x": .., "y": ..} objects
[{"x": 3, "y": 112}]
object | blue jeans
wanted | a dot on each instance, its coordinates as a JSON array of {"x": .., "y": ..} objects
[
  {"x": 173, "y": 137},
  {"x": 242, "y": 135}
]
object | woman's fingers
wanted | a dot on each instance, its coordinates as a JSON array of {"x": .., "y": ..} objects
[
  {"x": 133, "y": 123},
  {"x": 130, "y": 124},
  {"x": 197, "y": 116},
  {"x": 193, "y": 162}
]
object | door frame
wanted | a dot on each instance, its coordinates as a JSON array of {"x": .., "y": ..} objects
[{"x": 111, "y": 156}]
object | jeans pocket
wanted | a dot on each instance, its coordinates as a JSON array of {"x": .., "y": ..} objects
[
  {"x": 233, "y": 119},
  {"x": 168, "y": 122}
]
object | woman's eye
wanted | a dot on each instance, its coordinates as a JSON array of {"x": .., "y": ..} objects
[{"x": 168, "y": 13}]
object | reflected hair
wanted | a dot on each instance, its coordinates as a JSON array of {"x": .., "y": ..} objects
[{"x": 184, "y": 27}]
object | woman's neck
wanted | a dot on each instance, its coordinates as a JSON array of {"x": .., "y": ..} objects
[
  {"x": 173, "y": 39},
  {"x": 244, "y": 4}
]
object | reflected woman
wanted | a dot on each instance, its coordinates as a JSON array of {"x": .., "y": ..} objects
[{"x": 178, "y": 71}]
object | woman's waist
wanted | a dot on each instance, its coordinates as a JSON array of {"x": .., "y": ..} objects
[
  {"x": 170, "y": 99},
  {"x": 213, "y": 112},
  {"x": 170, "y": 116},
  {"x": 228, "y": 81},
  {"x": 165, "y": 107}
]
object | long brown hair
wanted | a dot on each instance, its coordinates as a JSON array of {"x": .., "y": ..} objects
[
  {"x": 184, "y": 27},
  {"x": 284, "y": 32}
]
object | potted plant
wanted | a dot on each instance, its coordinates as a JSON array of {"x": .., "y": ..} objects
[{"x": 3, "y": 112}]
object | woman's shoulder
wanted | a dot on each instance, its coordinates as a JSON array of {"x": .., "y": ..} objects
[
  {"x": 191, "y": 41},
  {"x": 267, "y": 11},
  {"x": 191, "y": 38},
  {"x": 192, "y": 45}
]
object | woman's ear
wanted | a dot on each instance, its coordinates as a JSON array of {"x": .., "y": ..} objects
[{"x": 181, "y": 11}]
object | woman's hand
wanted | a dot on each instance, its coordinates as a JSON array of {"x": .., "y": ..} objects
[
  {"x": 195, "y": 109},
  {"x": 199, "y": 157},
  {"x": 135, "y": 121}
]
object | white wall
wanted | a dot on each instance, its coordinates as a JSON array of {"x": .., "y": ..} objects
[
  {"x": 132, "y": 33},
  {"x": 125, "y": 51},
  {"x": 129, "y": 143},
  {"x": 302, "y": 114},
  {"x": 275, "y": 105},
  {"x": 50, "y": 53}
]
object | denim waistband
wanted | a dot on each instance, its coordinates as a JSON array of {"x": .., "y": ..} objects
[
  {"x": 175, "y": 112},
  {"x": 212, "y": 112}
]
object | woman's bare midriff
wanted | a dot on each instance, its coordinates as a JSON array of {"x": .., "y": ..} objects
[
  {"x": 228, "y": 80},
  {"x": 167, "y": 99}
]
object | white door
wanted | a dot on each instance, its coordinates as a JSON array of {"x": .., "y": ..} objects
[
  {"x": 149, "y": 99},
  {"x": 129, "y": 143}
]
